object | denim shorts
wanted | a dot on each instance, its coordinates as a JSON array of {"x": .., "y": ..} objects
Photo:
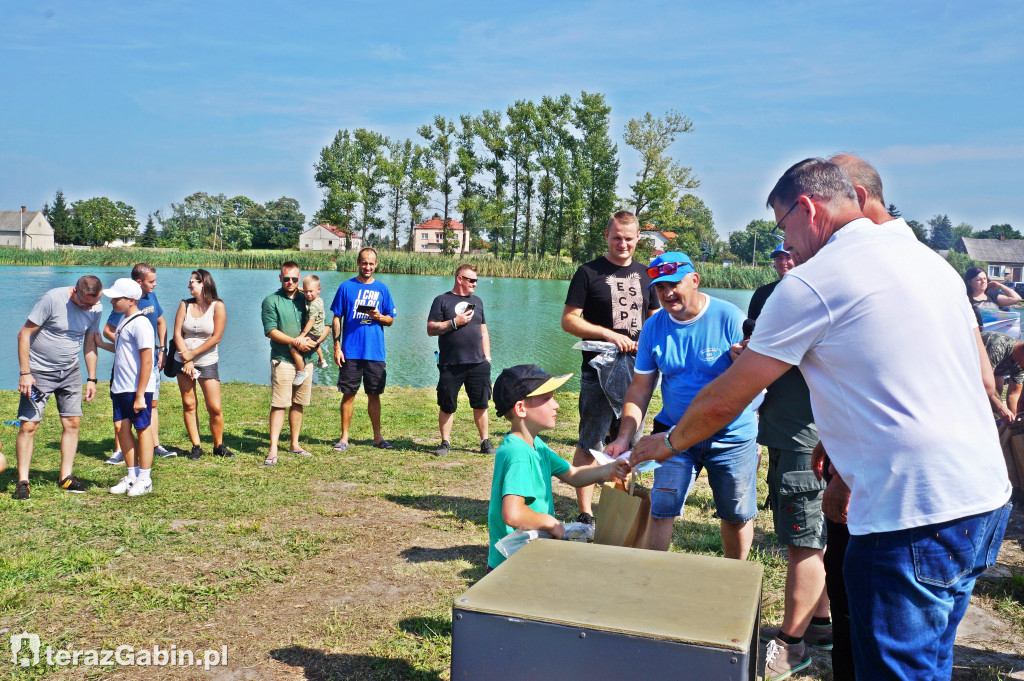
[{"x": 732, "y": 473}]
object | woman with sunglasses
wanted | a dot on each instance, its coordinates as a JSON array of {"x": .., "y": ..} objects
[{"x": 198, "y": 328}]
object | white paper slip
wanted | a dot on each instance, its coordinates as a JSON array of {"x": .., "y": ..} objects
[{"x": 644, "y": 467}]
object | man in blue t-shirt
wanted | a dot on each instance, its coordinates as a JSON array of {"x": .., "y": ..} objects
[
  {"x": 145, "y": 275},
  {"x": 362, "y": 307},
  {"x": 688, "y": 342}
]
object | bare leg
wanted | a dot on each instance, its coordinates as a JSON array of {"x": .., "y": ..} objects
[
  {"x": 348, "y": 405},
  {"x": 737, "y": 538},
  {"x": 211, "y": 393},
  {"x": 187, "y": 388},
  {"x": 373, "y": 409},
  {"x": 295, "y": 425},
  {"x": 297, "y": 360},
  {"x": 23, "y": 447},
  {"x": 444, "y": 424},
  {"x": 276, "y": 424},
  {"x": 661, "y": 533},
  {"x": 585, "y": 495},
  {"x": 68, "y": 443},
  {"x": 145, "y": 448},
  {"x": 480, "y": 416},
  {"x": 126, "y": 442},
  {"x": 154, "y": 425},
  {"x": 805, "y": 589}
]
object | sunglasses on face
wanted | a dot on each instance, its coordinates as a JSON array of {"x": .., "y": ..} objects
[
  {"x": 468, "y": 280},
  {"x": 665, "y": 269},
  {"x": 289, "y": 279}
]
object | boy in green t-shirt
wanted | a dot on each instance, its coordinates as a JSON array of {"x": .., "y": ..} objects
[{"x": 521, "y": 497}]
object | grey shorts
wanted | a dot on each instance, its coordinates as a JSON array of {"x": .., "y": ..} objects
[
  {"x": 66, "y": 386},
  {"x": 794, "y": 495},
  {"x": 208, "y": 371},
  {"x": 596, "y": 416}
]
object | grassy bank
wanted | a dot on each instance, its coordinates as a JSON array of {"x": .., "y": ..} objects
[
  {"x": 389, "y": 262},
  {"x": 336, "y": 566}
]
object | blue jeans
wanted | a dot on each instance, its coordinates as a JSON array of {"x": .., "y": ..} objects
[
  {"x": 909, "y": 589},
  {"x": 732, "y": 474}
]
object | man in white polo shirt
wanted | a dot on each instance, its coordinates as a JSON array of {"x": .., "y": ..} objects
[{"x": 906, "y": 422}]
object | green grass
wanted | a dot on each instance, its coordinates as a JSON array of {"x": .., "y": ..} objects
[
  {"x": 389, "y": 262},
  {"x": 345, "y": 565}
]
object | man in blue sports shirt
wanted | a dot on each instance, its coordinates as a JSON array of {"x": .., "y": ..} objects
[{"x": 362, "y": 307}]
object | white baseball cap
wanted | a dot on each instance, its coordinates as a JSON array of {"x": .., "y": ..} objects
[{"x": 124, "y": 288}]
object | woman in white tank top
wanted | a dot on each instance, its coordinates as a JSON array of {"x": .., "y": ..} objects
[{"x": 198, "y": 327}]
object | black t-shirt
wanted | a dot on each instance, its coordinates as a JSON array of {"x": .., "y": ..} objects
[
  {"x": 611, "y": 296},
  {"x": 464, "y": 345}
]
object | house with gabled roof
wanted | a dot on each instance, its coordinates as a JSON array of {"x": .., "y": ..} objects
[
  {"x": 428, "y": 237},
  {"x": 325, "y": 237},
  {"x": 26, "y": 229},
  {"x": 1004, "y": 257},
  {"x": 657, "y": 238}
]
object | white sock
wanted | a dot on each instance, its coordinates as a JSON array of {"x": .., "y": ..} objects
[
  {"x": 144, "y": 475},
  {"x": 134, "y": 472}
]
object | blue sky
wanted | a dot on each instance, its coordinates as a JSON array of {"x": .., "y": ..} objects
[{"x": 149, "y": 102}]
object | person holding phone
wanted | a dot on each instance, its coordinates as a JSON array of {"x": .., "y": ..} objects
[
  {"x": 464, "y": 356},
  {"x": 362, "y": 307}
]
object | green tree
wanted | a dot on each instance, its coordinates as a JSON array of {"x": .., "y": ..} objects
[
  {"x": 962, "y": 262},
  {"x": 335, "y": 174},
  {"x": 893, "y": 211},
  {"x": 149, "y": 236},
  {"x": 468, "y": 163},
  {"x": 759, "y": 232},
  {"x": 397, "y": 171},
  {"x": 551, "y": 131},
  {"x": 599, "y": 165},
  {"x": 59, "y": 218},
  {"x": 521, "y": 148},
  {"x": 660, "y": 178},
  {"x": 422, "y": 181},
  {"x": 491, "y": 132},
  {"x": 286, "y": 218},
  {"x": 1003, "y": 231},
  {"x": 443, "y": 158},
  {"x": 694, "y": 224},
  {"x": 962, "y": 230},
  {"x": 941, "y": 232},
  {"x": 919, "y": 231},
  {"x": 369, "y": 146},
  {"x": 102, "y": 220}
]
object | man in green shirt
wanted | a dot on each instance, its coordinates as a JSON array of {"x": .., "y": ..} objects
[{"x": 282, "y": 323}]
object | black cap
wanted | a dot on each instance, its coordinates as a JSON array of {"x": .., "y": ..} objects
[{"x": 522, "y": 381}]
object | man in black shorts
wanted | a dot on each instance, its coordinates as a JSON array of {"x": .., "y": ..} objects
[
  {"x": 608, "y": 300},
  {"x": 464, "y": 356}
]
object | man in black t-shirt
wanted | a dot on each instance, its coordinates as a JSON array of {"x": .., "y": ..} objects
[
  {"x": 464, "y": 356},
  {"x": 608, "y": 300}
]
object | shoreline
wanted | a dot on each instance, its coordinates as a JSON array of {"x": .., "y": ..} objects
[{"x": 737, "y": 277}]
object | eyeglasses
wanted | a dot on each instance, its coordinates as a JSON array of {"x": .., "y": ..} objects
[
  {"x": 665, "y": 268},
  {"x": 776, "y": 232},
  {"x": 289, "y": 279},
  {"x": 467, "y": 279}
]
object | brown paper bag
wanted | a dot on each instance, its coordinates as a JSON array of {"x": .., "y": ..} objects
[{"x": 623, "y": 518}]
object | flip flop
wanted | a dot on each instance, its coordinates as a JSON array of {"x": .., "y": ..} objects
[
  {"x": 340, "y": 446},
  {"x": 299, "y": 452},
  {"x": 270, "y": 461},
  {"x": 383, "y": 444}
]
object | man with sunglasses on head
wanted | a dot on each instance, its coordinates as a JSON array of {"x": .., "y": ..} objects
[
  {"x": 608, "y": 300},
  {"x": 464, "y": 356},
  {"x": 908, "y": 426},
  {"x": 282, "y": 314},
  {"x": 61, "y": 322},
  {"x": 687, "y": 343}
]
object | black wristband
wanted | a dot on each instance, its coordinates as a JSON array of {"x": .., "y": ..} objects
[
  {"x": 25, "y": 373},
  {"x": 91, "y": 380}
]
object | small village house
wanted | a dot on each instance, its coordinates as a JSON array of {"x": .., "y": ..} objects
[
  {"x": 26, "y": 229},
  {"x": 329, "y": 238},
  {"x": 428, "y": 237},
  {"x": 1004, "y": 257},
  {"x": 659, "y": 240}
]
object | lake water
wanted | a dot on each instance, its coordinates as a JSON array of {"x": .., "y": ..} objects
[{"x": 523, "y": 317}]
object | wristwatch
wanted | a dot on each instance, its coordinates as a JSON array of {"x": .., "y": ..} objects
[{"x": 668, "y": 442}]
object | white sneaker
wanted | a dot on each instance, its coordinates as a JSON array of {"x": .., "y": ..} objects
[
  {"x": 323, "y": 364},
  {"x": 163, "y": 452},
  {"x": 116, "y": 459},
  {"x": 300, "y": 377},
  {"x": 140, "y": 488},
  {"x": 123, "y": 486}
]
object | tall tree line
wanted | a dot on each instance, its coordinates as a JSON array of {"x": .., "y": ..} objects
[{"x": 536, "y": 179}]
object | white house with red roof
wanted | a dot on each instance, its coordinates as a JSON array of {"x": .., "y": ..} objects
[
  {"x": 657, "y": 239},
  {"x": 329, "y": 238},
  {"x": 428, "y": 237}
]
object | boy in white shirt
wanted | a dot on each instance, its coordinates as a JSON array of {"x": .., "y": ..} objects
[{"x": 131, "y": 389}]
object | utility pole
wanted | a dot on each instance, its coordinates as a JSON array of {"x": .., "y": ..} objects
[
  {"x": 21, "y": 233},
  {"x": 753, "y": 257}
]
